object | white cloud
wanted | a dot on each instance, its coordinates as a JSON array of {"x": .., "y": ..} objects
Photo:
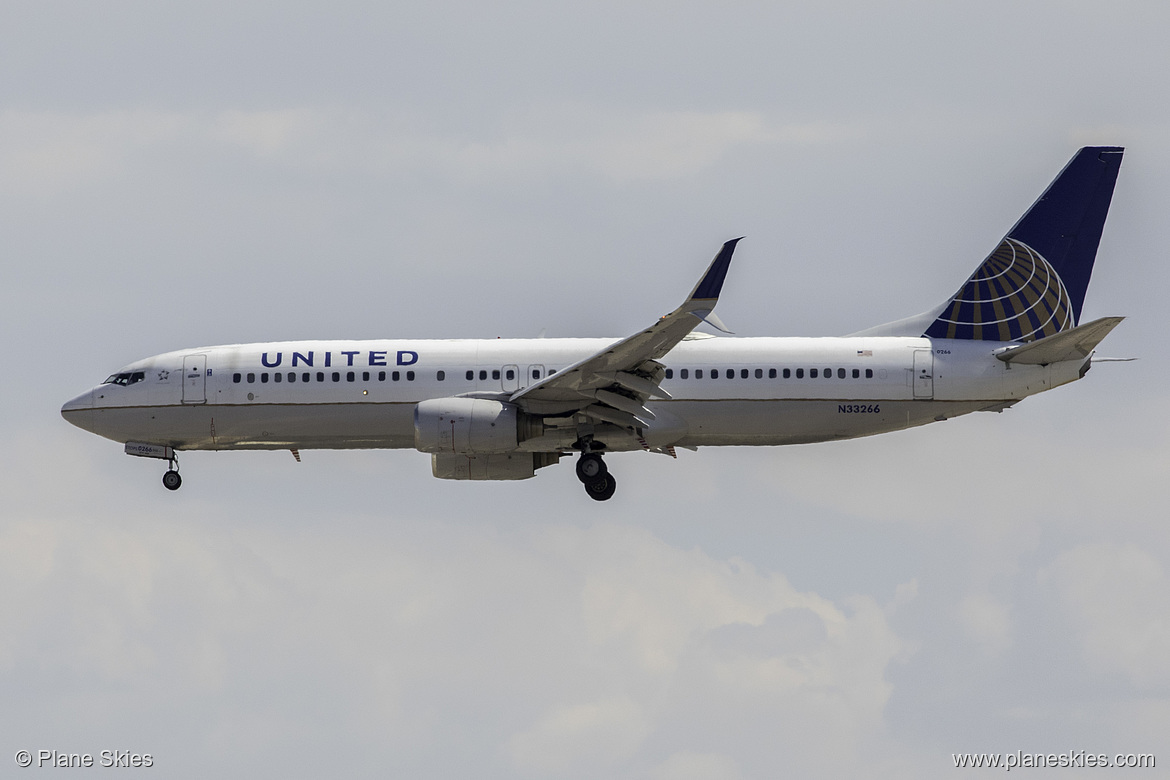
[
  {"x": 581, "y": 737},
  {"x": 1116, "y": 598},
  {"x": 986, "y": 621},
  {"x": 46, "y": 153},
  {"x": 689, "y": 765}
]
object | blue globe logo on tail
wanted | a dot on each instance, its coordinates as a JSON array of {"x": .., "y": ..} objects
[
  {"x": 1015, "y": 295},
  {"x": 1033, "y": 285}
]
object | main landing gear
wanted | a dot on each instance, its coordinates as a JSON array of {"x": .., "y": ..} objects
[{"x": 599, "y": 483}]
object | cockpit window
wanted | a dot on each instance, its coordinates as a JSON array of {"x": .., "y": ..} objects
[{"x": 128, "y": 378}]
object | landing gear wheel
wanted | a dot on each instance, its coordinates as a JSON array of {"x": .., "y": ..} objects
[
  {"x": 590, "y": 466},
  {"x": 601, "y": 488},
  {"x": 172, "y": 480}
]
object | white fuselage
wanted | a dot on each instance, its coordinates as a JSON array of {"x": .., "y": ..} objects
[{"x": 725, "y": 391}]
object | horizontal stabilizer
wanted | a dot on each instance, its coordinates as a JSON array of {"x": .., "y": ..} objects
[{"x": 1072, "y": 344}]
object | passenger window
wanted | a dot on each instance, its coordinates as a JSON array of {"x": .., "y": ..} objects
[
  {"x": 394, "y": 376},
  {"x": 482, "y": 375},
  {"x": 381, "y": 376},
  {"x": 510, "y": 374},
  {"x": 495, "y": 373},
  {"x": 714, "y": 373},
  {"x": 683, "y": 373},
  {"x": 869, "y": 373},
  {"x": 236, "y": 378},
  {"x": 731, "y": 373},
  {"x": 336, "y": 376},
  {"x": 856, "y": 373},
  {"x": 251, "y": 378},
  {"x": 759, "y": 373},
  {"x": 320, "y": 376},
  {"x": 409, "y": 376},
  {"x": 440, "y": 375},
  {"x": 840, "y": 373},
  {"x": 812, "y": 373},
  {"x": 470, "y": 375},
  {"x": 264, "y": 378},
  {"x": 828, "y": 373},
  {"x": 292, "y": 376},
  {"x": 365, "y": 376},
  {"x": 305, "y": 377},
  {"x": 670, "y": 373},
  {"x": 698, "y": 373},
  {"x": 348, "y": 376},
  {"x": 799, "y": 373},
  {"x": 536, "y": 373},
  {"x": 771, "y": 373},
  {"x": 743, "y": 373},
  {"x": 277, "y": 376}
]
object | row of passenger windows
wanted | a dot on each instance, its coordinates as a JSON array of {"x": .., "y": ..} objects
[
  {"x": 351, "y": 376},
  {"x": 510, "y": 374},
  {"x": 307, "y": 376},
  {"x": 787, "y": 373}
]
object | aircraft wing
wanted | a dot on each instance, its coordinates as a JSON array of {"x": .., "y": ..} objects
[{"x": 614, "y": 384}]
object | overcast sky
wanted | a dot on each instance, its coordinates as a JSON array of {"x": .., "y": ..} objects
[{"x": 176, "y": 175}]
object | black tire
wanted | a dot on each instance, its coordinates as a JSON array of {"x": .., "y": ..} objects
[
  {"x": 601, "y": 488},
  {"x": 590, "y": 466},
  {"x": 172, "y": 480}
]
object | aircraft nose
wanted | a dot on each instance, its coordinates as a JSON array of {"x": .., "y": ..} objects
[{"x": 79, "y": 410}]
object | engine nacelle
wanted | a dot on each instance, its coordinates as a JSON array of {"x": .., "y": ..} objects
[
  {"x": 506, "y": 465},
  {"x": 469, "y": 426}
]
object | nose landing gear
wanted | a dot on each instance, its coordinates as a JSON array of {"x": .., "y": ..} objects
[
  {"x": 172, "y": 480},
  {"x": 599, "y": 483}
]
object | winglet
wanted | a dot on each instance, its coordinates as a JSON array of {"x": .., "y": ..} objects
[{"x": 712, "y": 282}]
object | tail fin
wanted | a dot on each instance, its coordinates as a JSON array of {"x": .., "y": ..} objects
[{"x": 1034, "y": 283}]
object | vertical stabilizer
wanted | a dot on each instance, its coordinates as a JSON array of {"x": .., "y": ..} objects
[{"x": 1033, "y": 285}]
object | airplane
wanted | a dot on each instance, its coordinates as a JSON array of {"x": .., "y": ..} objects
[{"x": 501, "y": 409}]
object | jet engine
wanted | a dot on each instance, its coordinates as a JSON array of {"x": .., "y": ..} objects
[{"x": 471, "y": 426}]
